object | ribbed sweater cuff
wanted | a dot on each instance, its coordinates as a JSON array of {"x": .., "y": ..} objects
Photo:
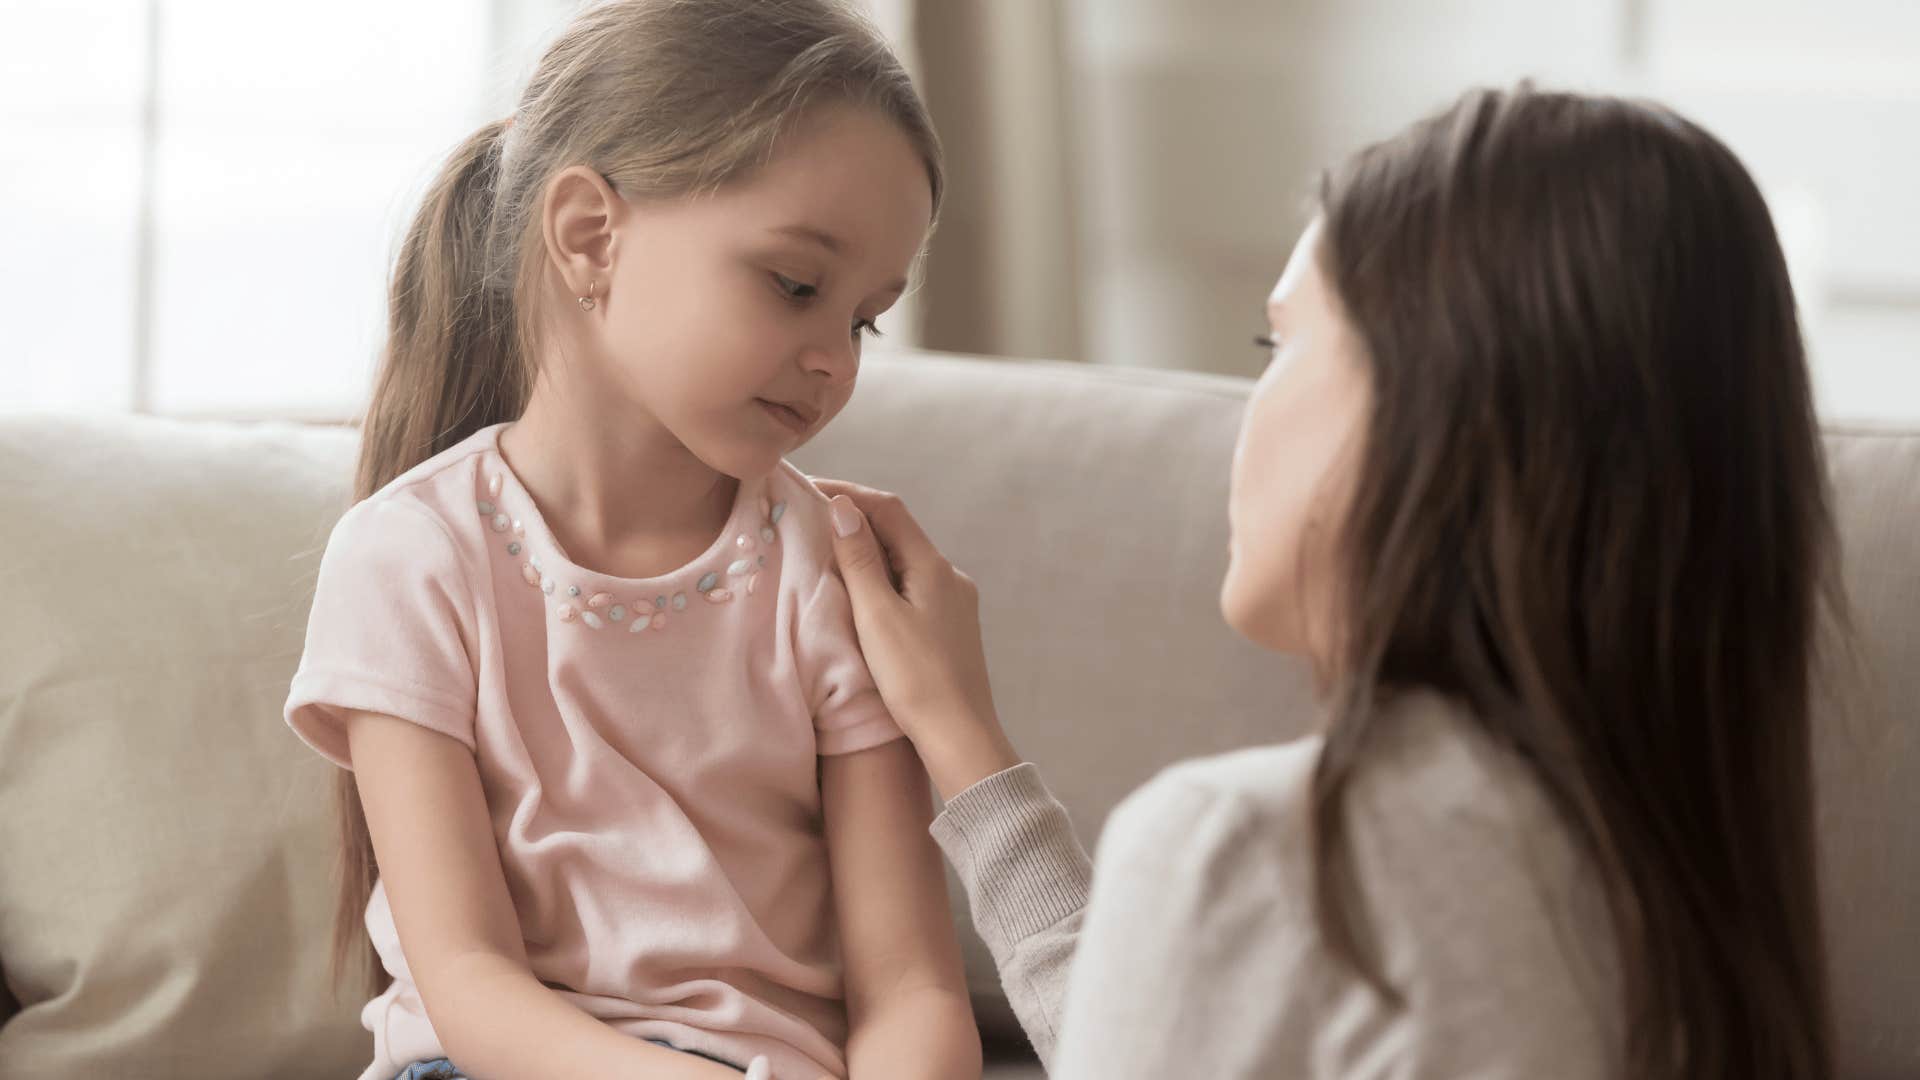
[{"x": 1014, "y": 849}]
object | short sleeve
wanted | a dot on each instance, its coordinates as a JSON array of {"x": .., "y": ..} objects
[
  {"x": 386, "y": 632},
  {"x": 848, "y": 714}
]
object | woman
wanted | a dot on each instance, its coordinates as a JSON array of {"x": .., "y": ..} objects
[{"x": 1534, "y": 482}]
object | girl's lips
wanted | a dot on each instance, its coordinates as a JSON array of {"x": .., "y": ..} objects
[{"x": 786, "y": 414}]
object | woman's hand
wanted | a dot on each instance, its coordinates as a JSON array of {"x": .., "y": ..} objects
[{"x": 919, "y": 624}]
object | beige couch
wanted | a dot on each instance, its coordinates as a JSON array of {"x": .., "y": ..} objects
[{"x": 164, "y": 841}]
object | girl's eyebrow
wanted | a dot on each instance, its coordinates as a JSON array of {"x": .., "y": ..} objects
[
  {"x": 821, "y": 237},
  {"x": 833, "y": 244}
]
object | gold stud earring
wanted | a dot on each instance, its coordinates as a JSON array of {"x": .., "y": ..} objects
[{"x": 586, "y": 302}]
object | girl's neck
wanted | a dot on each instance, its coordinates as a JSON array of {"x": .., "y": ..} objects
[{"x": 620, "y": 492}]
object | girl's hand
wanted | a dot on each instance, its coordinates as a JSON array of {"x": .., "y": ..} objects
[{"x": 919, "y": 624}]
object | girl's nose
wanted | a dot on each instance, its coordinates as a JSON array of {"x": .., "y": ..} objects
[{"x": 839, "y": 362}]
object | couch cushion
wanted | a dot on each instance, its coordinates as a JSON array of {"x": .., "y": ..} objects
[{"x": 164, "y": 852}]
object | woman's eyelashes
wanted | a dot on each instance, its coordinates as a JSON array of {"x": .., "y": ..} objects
[
  {"x": 800, "y": 292},
  {"x": 1266, "y": 341}
]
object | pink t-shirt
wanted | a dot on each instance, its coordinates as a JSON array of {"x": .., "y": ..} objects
[{"x": 649, "y": 748}]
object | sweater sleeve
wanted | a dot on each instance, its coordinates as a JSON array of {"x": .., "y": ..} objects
[{"x": 1026, "y": 878}]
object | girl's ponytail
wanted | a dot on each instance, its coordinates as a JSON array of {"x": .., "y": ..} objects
[
  {"x": 451, "y": 364},
  {"x": 451, "y": 367}
]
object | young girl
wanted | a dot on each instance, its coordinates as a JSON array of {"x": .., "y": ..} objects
[
  {"x": 1534, "y": 482},
  {"x": 634, "y": 805}
]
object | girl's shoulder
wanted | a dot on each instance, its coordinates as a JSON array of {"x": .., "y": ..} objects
[
  {"x": 424, "y": 520},
  {"x": 797, "y": 510}
]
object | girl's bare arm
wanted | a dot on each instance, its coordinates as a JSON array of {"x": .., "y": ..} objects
[
  {"x": 434, "y": 842},
  {"x": 907, "y": 1003}
]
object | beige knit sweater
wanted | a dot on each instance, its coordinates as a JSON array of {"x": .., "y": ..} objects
[{"x": 1197, "y": 954}]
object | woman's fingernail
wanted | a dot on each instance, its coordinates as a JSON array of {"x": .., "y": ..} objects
[{"x": 846, "y": 517}]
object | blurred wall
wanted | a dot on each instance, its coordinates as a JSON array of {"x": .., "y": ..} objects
[{"x": 1130, "y": 174}]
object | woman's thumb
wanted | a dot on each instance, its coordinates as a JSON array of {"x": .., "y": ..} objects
[{"x": 862, "y": 564}]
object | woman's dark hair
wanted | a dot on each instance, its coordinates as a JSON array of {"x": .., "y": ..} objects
[{"x": 1591, "y": 507}]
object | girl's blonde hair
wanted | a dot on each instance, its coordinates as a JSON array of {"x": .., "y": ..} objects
[{"x": 664, "y": 98}]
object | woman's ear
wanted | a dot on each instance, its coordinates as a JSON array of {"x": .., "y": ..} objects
[{"x": 577, "y": 223}]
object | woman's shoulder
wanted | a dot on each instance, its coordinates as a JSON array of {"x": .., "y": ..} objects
[
  {"x": 1232, "y": 824},
  {"x": 1256, "y": 784},
  {"x": 1430, "y": 774},
  {"x": 1482, "y": 897},
  {"x": 1476, "y": 897},
  {"x": 1429, "y": 786}
]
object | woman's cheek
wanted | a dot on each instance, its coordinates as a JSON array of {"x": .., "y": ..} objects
[{"x": 1258, "y": 591}]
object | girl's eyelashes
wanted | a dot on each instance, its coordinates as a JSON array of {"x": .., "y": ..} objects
[
  {"x": 800, "y": 291},
  {"x": 795, "y": 290},
  {"x": 1266, "y": 341}
]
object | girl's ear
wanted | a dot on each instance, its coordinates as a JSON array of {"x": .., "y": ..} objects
[{"x": 577, "y": 223}]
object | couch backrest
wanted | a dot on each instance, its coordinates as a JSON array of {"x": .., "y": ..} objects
[{"x": 164, "y": 842}]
